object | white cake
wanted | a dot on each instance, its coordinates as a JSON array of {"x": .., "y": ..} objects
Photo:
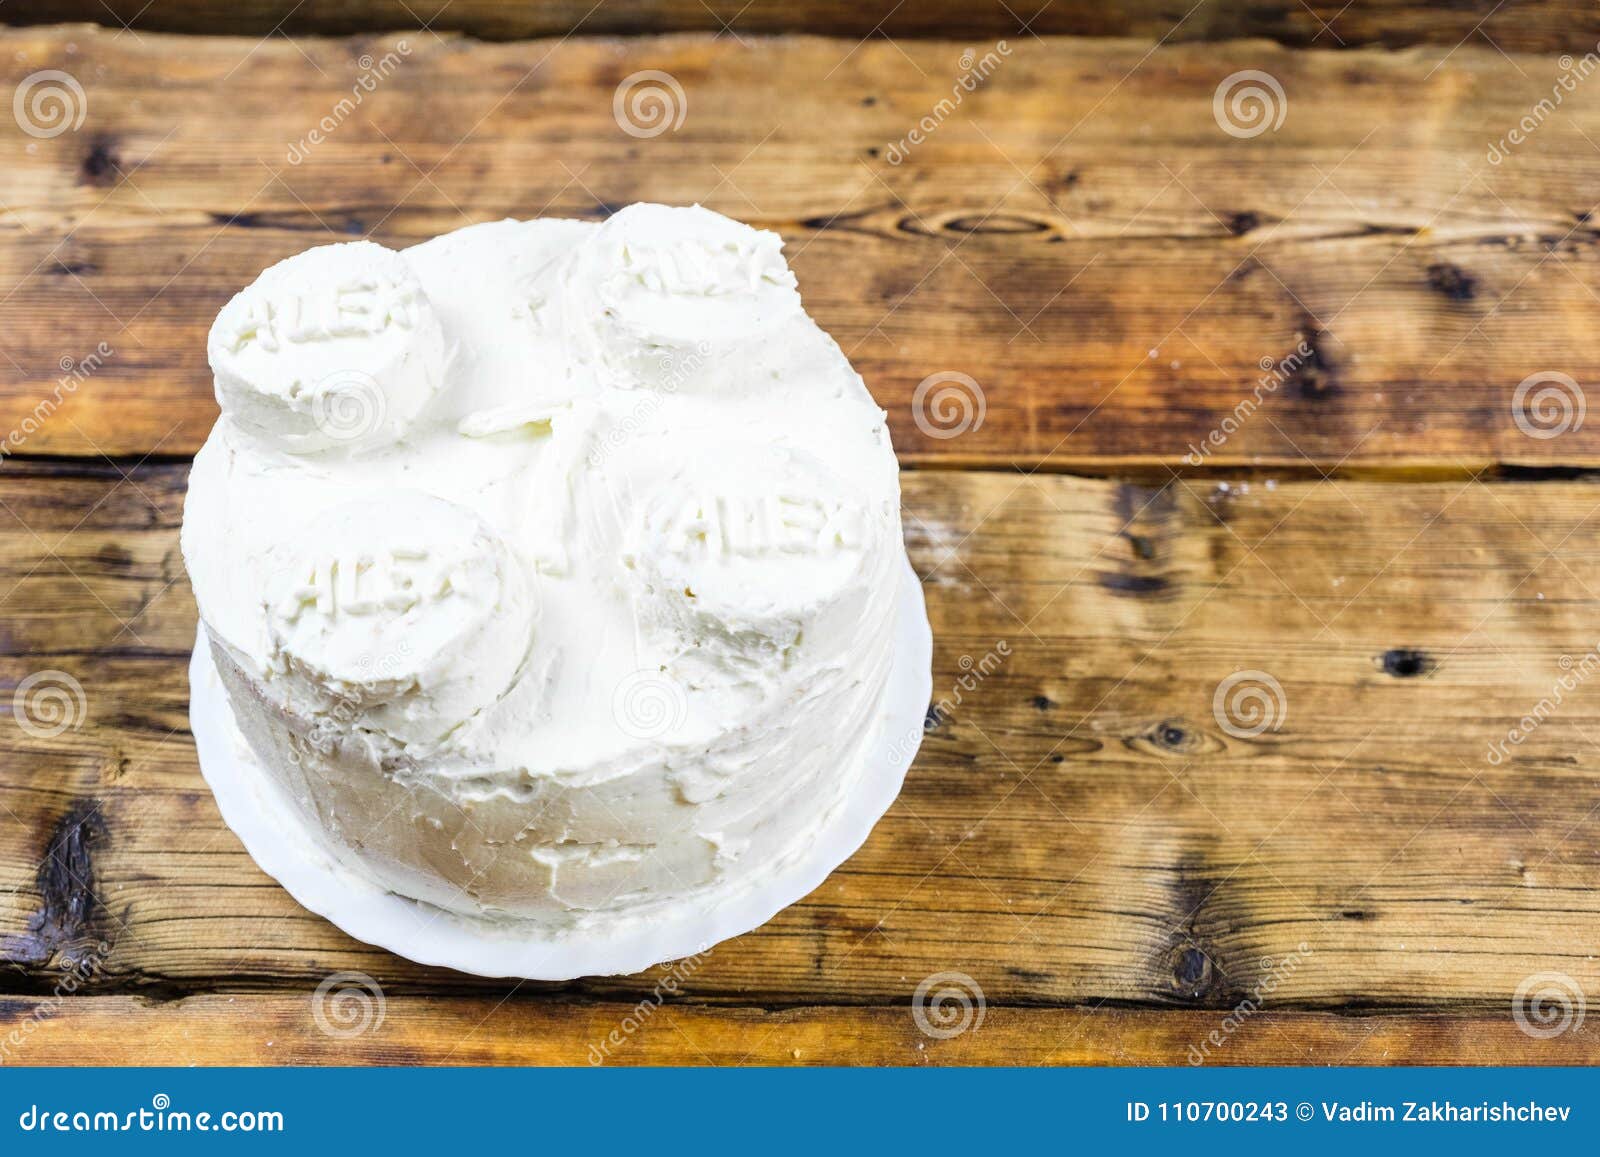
[{"x": 549, "y": 567}]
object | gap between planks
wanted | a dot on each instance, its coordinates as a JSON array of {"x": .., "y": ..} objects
[{"x": 1142, "y": 471}]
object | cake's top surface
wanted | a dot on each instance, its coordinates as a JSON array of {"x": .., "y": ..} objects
[{"x": 543, "y": 497}]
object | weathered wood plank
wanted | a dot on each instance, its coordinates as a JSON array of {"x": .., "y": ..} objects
[
  {"x": 1529, "y": 26},
  {"x": 1079, "y": 235},
  {"x": 271, "y": 1030},
  {"x": 1080, "y": 825}
]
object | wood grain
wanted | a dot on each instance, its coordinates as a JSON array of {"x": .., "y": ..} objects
[
  {"x": 282, "y": 1030},
  {"x": 1088, "y": 838},
  {"x": 1528, "y": 26},
  {"x": 1079, "y": 236},
  {"x": 1079, "y": 827}
]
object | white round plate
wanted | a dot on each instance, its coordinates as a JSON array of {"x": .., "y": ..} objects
[{"x": 284, "y": 847}]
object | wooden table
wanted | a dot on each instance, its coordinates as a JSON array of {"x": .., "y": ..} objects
[{"x": 1387, "y": 547}]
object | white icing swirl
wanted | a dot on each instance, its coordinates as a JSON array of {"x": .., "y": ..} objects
[
  {"x": 405, "y": 607},
  {"x": 663, "y": 297},
  {"x": 335, "y": 347}
]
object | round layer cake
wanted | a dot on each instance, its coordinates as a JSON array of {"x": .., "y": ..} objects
[{"x": 549, "y": 567}]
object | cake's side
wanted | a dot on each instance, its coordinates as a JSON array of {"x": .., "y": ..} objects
[
  {"x": 595, "y": 613},
  {"x": 518, "y": 846}
]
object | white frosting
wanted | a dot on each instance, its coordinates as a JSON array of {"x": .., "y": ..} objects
[
  {"x": 403, "y": 604},
  {"x": 684, "y": 296},
  {"x": 594, "y": 617},
  {"x": 336, "y": 346}
]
